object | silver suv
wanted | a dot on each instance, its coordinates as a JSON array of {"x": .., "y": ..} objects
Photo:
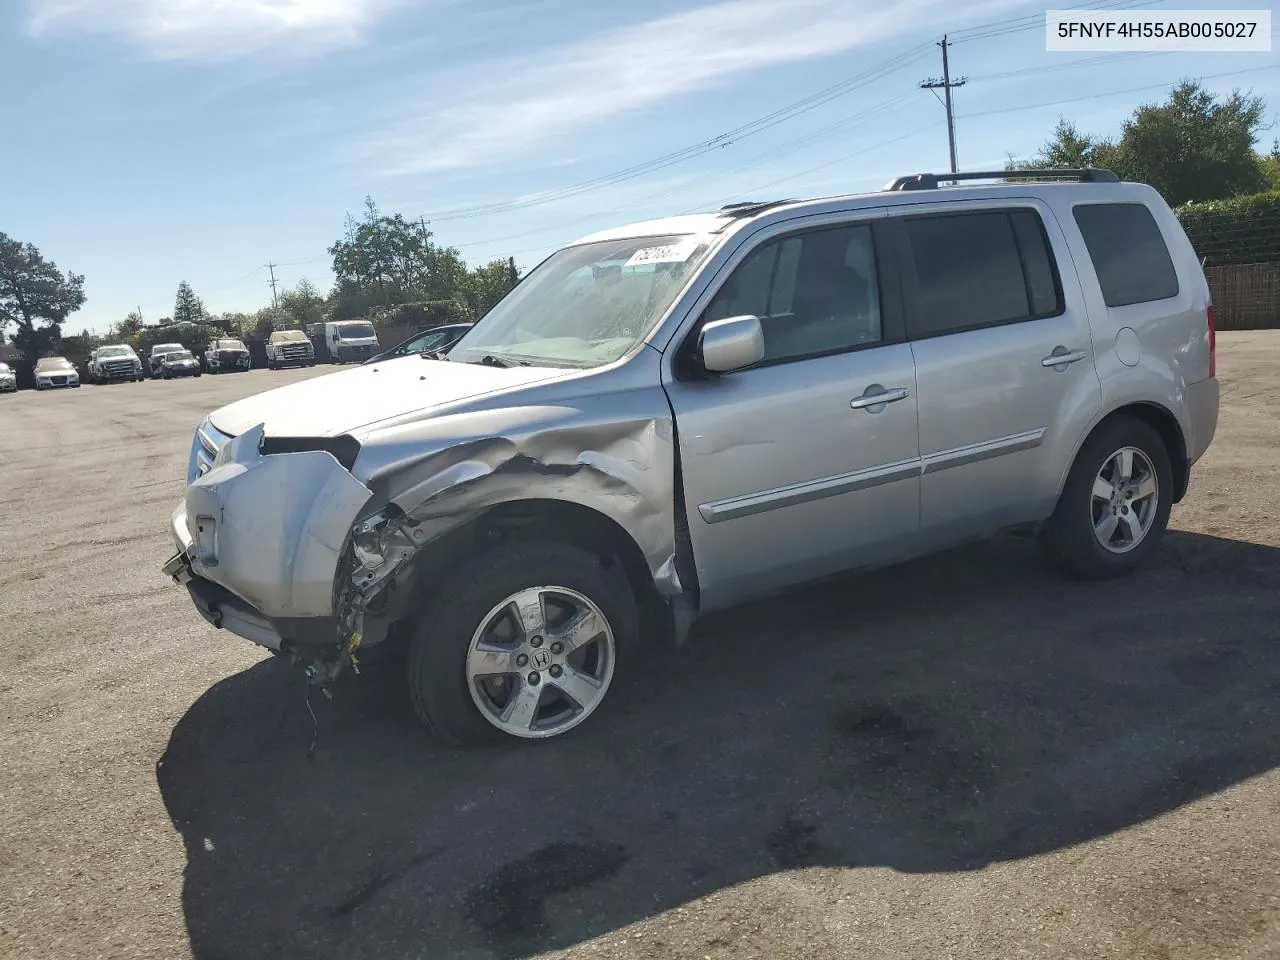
[{"x": 676, "y": 416}]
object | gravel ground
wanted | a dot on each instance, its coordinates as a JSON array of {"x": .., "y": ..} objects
[{"x": 963, "y": 757}]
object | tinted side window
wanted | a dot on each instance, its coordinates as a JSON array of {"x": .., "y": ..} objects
[
  {"x": 1128, "y": 253},
  {"x": 981, "y": 269},
  {"x": 815, "y": 293}
]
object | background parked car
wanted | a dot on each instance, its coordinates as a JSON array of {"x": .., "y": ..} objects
[
  {"x": 8, "y": 379},
  {"x": 158, "y": 353},
  {"x": 289, "y": 348},
  {"x": 119, "y": 362},
  {"x": 429, "y": 341},
  {"x": 226, "y": 356},
  {"x": 179, "y": 363},
  {"x": 54, "y": 372}
]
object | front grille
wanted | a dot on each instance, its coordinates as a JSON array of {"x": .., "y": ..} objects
[
  {"x": 294, "y": 351},
  {"x": 58, "y": 381},
  {"x": 232, "y": 358},
  {"x": 118, "y": 368},
  {"x": 209, "y": 440}
]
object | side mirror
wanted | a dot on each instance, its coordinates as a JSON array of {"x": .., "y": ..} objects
[{"x": 731, "y": 344}]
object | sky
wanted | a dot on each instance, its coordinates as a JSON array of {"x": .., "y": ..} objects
[{"x": 153, "y": 141}]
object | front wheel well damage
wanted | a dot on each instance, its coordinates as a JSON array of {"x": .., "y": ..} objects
[{"x": 535, "y": 520}]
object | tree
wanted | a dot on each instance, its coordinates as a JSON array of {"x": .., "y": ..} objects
[
  {"x": 1191, "y": 147},
  {"x": 388, "y": 260},
  {"x": 187, "y": 307},
  {"x": 127, "y": 328},
  {"x": 302, "y": 305},
  {"x": 1269, "y": 164},
  {"x": 486, "y": 286},
  {"x": 35, "y": 296},
  {"x": 1069, "y": 148}
]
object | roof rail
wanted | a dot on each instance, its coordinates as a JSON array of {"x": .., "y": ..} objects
[
  {"x": 749, "y": 208},
  {"x": 930, "y": 181}
]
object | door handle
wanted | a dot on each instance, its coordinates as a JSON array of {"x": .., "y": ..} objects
[
  {"x": 1062, "y": 359},
  {"x": 891, "y": 395}
]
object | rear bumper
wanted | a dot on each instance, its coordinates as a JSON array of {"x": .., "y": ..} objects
[{"x": 1202, "y": 413}]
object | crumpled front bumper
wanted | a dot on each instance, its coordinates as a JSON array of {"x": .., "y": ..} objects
[{"x": 260, "y": 540}]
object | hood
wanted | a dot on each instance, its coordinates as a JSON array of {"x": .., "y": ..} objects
[{"x": 338, "y": 403}]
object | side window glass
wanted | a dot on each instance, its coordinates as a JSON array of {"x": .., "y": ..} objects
[
  {"x": 969, "y": 272},
  {"x": 1128, "y": 253},
  {"x": 815, "y": 293}
]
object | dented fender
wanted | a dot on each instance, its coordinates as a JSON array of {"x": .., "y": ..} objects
[{"x": 613, "y": 455}]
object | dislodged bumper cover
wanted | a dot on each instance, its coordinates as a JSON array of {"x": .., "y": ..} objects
[{"x": 271, "y": 529}]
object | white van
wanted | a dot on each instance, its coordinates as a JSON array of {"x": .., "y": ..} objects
[{"x": 350, "y": 341}]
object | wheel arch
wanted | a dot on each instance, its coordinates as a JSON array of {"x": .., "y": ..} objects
[
  {"x": 1161, "y": 419},
  {"x": 539, "y": 519}
]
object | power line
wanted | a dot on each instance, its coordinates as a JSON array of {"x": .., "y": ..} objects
[
  {"x": 760, "y": 124},
  {"x": 789, "y": 146},
  {"x": 720, "y": 141},
  {"x": 1110, "y": 93}
]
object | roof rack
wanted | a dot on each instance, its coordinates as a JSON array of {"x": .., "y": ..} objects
[
  {"x": 930, "y": 181},
  {"x": 750, "y": 208}
]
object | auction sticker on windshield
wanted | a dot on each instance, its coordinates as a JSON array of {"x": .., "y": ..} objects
[{"x": 670, "y": 253}]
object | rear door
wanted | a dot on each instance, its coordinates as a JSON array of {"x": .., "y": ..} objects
[
  {"x": 1004, "y": 362},
  {"x": 791, "y": 470}
]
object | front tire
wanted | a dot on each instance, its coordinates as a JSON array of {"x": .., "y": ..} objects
[
  {"x": 1114, "y": 506},
  {"x": 520, "y": 641}
]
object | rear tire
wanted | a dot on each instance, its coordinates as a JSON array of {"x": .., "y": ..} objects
[
  {"x": 472, "y": 608},
  {"x": 1107, "y": 524}
]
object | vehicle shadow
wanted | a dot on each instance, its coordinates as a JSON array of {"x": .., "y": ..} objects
[{"x": 942, "y": 716}]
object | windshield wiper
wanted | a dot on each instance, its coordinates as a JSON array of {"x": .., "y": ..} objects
[
  {"x": 434, "y": 354},
  {"x": 489, "y": 360}
]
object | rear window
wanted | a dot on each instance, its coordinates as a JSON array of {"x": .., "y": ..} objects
[
  {"x": 981, "y": 269},
  {"x": 1128, "y": 253}
]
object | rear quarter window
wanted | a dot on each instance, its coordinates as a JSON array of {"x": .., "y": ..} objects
[{"x": 1128, "y": 252}]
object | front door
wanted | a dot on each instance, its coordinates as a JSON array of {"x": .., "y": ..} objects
[
  {"x": 1004, "y": 364},
  {"x": 792, "y": 469}
]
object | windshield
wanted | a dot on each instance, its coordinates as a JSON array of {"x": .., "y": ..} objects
[
  {"x": 53, "y": 363},
  {"x": 587, "y": 305},
  {"x": 288, "y": 336},
  {"x": 114, "y": 352},
  {"x": 179, "y": 355},
  {"x": 229, "y": 345},
  {"x": 166, "y": 348},
  {"x": 4, "y": 368},
  {"x": 354, "y": 331}
]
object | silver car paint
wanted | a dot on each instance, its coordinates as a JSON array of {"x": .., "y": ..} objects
[{"x": 983, "y": 437}]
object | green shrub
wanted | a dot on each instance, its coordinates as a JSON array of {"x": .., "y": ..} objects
[{"x": 1243, "y": 229}]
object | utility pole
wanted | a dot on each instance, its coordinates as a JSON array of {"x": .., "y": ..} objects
[
  {"x": 275, "y": 301},
  {"x": 946, "y": 84},
  {"x": 423, "y": 224}
]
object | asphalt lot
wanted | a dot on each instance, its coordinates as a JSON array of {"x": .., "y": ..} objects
[{"x": 964, "y": 757}]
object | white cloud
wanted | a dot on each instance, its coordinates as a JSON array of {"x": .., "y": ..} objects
[
  {"x": 625, "y": 69},
  {"x": 210, "y": 29}
]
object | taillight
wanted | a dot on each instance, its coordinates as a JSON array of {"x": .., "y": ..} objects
[{"x": 1213, "y": 343}]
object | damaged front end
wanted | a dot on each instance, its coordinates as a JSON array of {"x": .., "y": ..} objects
[{"x": 319, "y": 549}]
